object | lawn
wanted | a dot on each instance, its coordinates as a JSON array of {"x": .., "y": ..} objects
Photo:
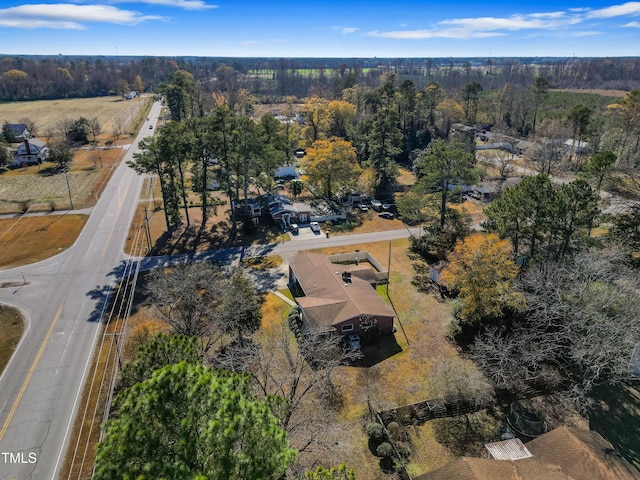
[
  {"x": 44, "y": 187},
  {"x": 27, "y": 240}
]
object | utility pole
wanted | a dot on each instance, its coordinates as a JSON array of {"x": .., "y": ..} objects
[
  {"x": 66, "y": 174},
  {"x": 389, "y": 269},
  {"x": 146, "y": 227}
]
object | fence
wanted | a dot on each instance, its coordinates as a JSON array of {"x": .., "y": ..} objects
[
  {"x": 420, "y": 412},
  {"x": 382, "y": 274}
]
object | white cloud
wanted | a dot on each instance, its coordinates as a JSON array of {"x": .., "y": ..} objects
[
  {"x": 68, "y": 16},
  {"x": 483, "y": 27},
  {"x": 422, "y": 34},
  {"x": 629, "y": 8},
  {"x": 186, "y": 4},
  {"x": 514, "y": 22},
  {"x": 632, "y": 25},
  {"x": 341, "y": 29}
]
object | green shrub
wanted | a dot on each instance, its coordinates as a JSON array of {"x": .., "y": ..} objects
[
  {"x": 375, "y": 431},
  {"x": 384, "y": 450}
]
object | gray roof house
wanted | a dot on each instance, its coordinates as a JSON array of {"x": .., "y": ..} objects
[
  {"x": 19, "y": 130},
  {"x": 30, "y": 152}
]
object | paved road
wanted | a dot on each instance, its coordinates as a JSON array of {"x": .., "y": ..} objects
[{"x": 63, "y": 303}]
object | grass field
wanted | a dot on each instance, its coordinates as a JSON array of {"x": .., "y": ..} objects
[
  {"x": 28, "y": 240},
  {"x": 43, "y": 187},
  {"x": 110, "y": 111}
]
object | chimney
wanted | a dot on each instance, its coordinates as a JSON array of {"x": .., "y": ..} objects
[{"x": 28, "y": 146}]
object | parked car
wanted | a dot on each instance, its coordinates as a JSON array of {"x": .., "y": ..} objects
[
  {"x": 354, "y": 341},
  {"x": 387, "y": 215},
  {"x": 315, "y": 227},
  {"x": 293, "y": 228},
  {"x": 363, "y": 207},
  {"x": 376, "y": 204},
  {"x": 386, "y": 206}
]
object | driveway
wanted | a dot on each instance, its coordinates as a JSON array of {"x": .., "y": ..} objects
[{"x": 305, "y": 233}]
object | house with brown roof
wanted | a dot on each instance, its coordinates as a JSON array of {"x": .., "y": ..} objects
[
  {"x": 561, "y": 454},
  {"x": 338, "y": 298}
]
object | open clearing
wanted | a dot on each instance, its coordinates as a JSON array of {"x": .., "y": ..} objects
[{"x": 110, "y": 111}]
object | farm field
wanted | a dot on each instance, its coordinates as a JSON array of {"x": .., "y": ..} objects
[
  {"x": 112, "y": 112},
  {"x": 43, "y": 187}
]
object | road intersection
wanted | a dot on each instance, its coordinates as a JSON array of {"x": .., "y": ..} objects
[{"x": 63, "y": 301}]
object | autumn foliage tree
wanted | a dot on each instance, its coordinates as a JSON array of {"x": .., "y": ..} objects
[
  {"x": 331, "y": 163},
  {"x": 481, "y": 269}
]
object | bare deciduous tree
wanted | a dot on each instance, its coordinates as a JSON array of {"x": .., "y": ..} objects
[
  {"x": 579, "y": 330},
  {"x": 300, "y": 371},
  {"x": 186, "y": 297}
]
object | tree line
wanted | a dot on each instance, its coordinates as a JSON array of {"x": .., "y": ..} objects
[{"x": 44, "y": 77}]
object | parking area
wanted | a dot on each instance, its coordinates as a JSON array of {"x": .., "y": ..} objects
[{"x": 304, "y": 233}]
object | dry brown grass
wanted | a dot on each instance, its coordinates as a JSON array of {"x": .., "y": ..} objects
[
  {"x": 42, "y": 187},
  {"x": 30, "y": 239},
  {"x": 406, "y": 177},
  {"x": 12, "y": 327},
  {"x": 47, "y": 114},
  {"x": 597, "y": 91},
  {"x": 473, "y": 208}
]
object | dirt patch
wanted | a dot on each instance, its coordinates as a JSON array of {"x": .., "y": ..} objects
[{"x": 12, "y": 327}]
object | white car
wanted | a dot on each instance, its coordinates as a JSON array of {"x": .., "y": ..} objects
[
  {"x": 376, "y": 204},
  {"x": 315, "y": 227}
]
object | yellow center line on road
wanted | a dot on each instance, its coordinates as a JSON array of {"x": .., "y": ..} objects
[
  {"x": 31, "y": 370},
  {"x": 120, "y": 203}
]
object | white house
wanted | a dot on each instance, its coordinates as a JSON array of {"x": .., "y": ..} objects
[
  {"x": 30, "y": 152},
  {"x": 19, "y": 130}
]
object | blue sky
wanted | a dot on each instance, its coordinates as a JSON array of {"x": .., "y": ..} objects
[{"x": 329, "y": 28}]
